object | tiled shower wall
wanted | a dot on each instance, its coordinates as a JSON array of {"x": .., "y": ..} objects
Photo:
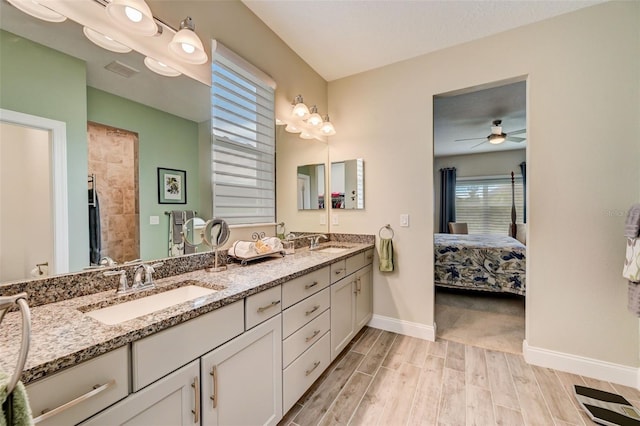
[{"x": 113, "y": 158}]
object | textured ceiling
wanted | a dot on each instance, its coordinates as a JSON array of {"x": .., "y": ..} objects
[{"x": 342, "y": 38}]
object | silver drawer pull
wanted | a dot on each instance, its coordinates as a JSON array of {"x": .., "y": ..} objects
[
  {"x": 315, "y": 365},
  {"x": 269, "y": 306},
  {"x": 214, "y": 376},
  {"x": 370, "y": 257},
  {"x": 196, "y": 388},
  {"x": 312, "y": 310},
  {"x": 97, "y": 389},
  {"x": 339, "y": 271},
  {"x": 308, "y": 286},
  {"x": 310, "y": 338}
]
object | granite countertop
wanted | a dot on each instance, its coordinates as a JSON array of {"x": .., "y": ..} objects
[{"x": 62, "y": 336}]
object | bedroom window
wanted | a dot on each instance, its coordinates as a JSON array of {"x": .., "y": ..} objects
[
  {"x": 485, "y": 204},
  {"x": 243, "y": 146}
]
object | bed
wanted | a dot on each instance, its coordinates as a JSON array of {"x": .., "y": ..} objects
[{"x": 494, "y": 263}]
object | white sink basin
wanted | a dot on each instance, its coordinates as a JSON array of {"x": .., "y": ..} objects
[
  {"x": 122, "y": 312},
  {"x": 332, "y": 250}
]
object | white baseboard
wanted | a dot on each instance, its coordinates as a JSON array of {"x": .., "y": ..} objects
[
  {"x": 413, "y": 329},
  {"x": 583, "y": 366}
]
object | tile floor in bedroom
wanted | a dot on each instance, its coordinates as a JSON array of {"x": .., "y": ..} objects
[{"x": 383, "y": 378}]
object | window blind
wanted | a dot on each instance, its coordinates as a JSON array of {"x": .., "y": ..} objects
[
  {"x": 243, "y": 145},
  {"x": 485, "y": 204}
]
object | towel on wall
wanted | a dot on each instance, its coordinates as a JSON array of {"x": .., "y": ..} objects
[
  {"x": 188, "y": 248},
  {"x": 634, "y": 298},
  {"x": 95, "y": 240},
  {"x": 386, "y": 255},
  {"x": 631, "y": 269},
  {"x": 632, "y": 224},
  {"x": 15, "y": 409}
]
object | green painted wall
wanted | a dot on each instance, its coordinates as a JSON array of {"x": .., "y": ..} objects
[
  {"x": 40, "y": 81},
  {"x": 164, "y": 140}
]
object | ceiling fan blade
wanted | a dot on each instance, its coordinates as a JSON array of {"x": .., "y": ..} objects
[
  {"x": 470, "y": 139},
  {"x": 479, "y": 144},
  {"x": 515, "y": 139},
  {"x": 517, "y": 132}
]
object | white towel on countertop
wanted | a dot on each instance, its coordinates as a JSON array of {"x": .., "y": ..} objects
[{"x": 632, "y": 224}]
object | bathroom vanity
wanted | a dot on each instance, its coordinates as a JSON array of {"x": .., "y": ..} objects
[{"x": 242, "y": 354}]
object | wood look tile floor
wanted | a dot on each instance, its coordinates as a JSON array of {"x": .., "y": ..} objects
[{"x": 383, "y": 378}]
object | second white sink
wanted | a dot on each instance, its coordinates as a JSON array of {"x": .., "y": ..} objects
[
  {"x": 122, "y": 312},
  {"x": 332, "y": 249}
]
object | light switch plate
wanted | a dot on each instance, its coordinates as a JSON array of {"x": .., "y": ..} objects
[
  {"x": 404, "y": 220},
  {"x": 154, "y": 220},
  {"x": 323, "y": 219},
  {"x": 334, "y": 219}
]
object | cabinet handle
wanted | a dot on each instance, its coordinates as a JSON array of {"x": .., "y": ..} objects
[
  {"x": 261, "y": 309},
  {"x": 196, "y": 387},
  {"x": 97, "y": 389},
  {"x": 370, "y": 257},
  {"x": 310, "y": 338},
  {"x": 359, "y": 284},
  {"x": 339, "y": 271},
  {"x": 214, "y": 376},
  {"x": 315, "y": 365},
  {"x": 308, "y": 286},
  {"x": 312, "y": 310}
]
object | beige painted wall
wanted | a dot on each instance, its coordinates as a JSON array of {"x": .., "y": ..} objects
[
  {"x": 499, "y": 163},
  {"x": 583, "y": 162}
]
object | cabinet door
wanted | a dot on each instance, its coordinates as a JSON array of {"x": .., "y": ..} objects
[
  {"x": 172, "y": 400},
  {"x": 364, "y": 296},
  {"x": 242, "y": 380},
  {"x": 342, "y": 314}
]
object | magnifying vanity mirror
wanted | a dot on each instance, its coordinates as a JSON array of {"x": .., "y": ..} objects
[
  {"x": 311, "y": 187},
  {"x": 347, "y": 184},
  {"x": 193, "y": 232},
  {"x": 216, "y": 234}
]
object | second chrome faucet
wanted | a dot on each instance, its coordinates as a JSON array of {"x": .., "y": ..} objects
[{"x": 142, "y": 278}]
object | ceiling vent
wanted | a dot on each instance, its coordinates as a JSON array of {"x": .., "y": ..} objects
[{"x": 121, "y": 69}]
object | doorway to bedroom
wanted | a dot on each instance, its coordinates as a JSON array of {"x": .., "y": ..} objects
[{"x": 479, "y": 163}]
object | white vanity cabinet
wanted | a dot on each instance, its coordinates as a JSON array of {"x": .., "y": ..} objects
[
  {"x": 351, "y": 301},
  {"x": 173, "y": 400},
  {"x": 242, "y": 380},
  {"x": 73, "y": 395}
]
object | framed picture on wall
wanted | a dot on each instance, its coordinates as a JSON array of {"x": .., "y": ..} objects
[{"x": 172, "y": 186}]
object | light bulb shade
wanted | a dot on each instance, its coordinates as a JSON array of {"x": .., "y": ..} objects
[
  {"x": 37, "y": 10},
  {"x": 306, "y": 135},
  {"x": 104, "y": 41},
  {"x": 327, "y": 128},
  {"x": 314, "y": 119},
  {"x": 134, "y": 15},
  {"x": 300, "y": 110},
  {"x": 186, "y": 44},
  {"x": 292, "y": 129},
  {"x": 160, "y": 68},
  {"x": 497, "y": 139}
]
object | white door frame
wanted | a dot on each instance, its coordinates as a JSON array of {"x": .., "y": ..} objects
[{"x": 58, "y": 151}]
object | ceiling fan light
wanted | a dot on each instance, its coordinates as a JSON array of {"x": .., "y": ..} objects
[
  {"x": 134, "y": 15},
  {"x": 497, "y": 139},
  {"x": 35, "y": 9},
  {"x": 105, "y": 41},
  {"x": 160, "y": 68},
  {"x": 186, "y": 44}
]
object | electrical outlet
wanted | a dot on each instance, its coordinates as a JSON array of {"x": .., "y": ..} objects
[
  {"x": 334, "y": 220},
  {"x": 404, "y": 220},
  {"x": 323, "y": 219},
  {"x": 154, "y": 220}
]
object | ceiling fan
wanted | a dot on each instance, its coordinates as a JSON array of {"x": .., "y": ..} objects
[{"x": 497, "y": 136}]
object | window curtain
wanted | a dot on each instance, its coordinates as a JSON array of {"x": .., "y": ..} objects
[
  {"x": 447, "y": 198},
  {"x": 523, "y": 170}
]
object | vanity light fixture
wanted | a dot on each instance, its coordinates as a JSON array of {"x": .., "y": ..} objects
[
  {"x": 186, "y": 44},
  {"x": 35, "y": 9},
  {"x": 134, "y": 15},
  {"x": 307, "y": 122},
  {"x": 160, "y": 68},
  {"x": 105, "y": 41}
]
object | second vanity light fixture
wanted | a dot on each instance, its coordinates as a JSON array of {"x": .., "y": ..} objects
[
  {"x": 307, "y": 121},
  {"x": 134, "y": 18}
]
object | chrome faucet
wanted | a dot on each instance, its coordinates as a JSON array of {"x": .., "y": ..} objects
[
  {"x": 107, "y": 261},
  {"x": 147, "y": 270},
  {"x": 314, "y": 241},
  {"x": 123, "y": 287}
]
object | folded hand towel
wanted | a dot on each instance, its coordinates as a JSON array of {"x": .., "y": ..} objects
[
  {"x": 632, "y": 224},
  {"x": 386, "y": 255},
  {"x": 242, "y": 249},
  {"x": 15, "y": 405},
  {"x": 631, "y": 269}
]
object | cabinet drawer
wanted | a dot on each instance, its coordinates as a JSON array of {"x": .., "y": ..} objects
[
  {"x": 338, "y": 271},
  {"x": 159, "y": 354},
  {"x": 355, "y": 262},
  {"x": 368, "y": 257},
  {"x": 298, "y": 315},
  {"x": 262, "y": 306},
  {"x": 304, "y": 286},
  {"x": 302, "y": 339},
  {"x": 302, "y": 372},
  {"x": 109, "y": 371}
]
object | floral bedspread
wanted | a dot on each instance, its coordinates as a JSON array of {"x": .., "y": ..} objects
[{"x": 480, "y": 262}]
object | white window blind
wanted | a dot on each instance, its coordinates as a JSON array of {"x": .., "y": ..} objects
[
  {"x": 485, "y": 204},
  {"x": 243, "y": 145}
]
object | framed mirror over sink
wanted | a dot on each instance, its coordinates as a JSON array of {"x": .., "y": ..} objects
[
  {"x": 311, "y": 187},
  {"x": 347, "y": 184}
]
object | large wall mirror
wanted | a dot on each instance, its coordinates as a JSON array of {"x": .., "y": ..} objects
[
  {"x": 347, "y": 184},
  {"x": 51, "y": 70},
  {"x": 311, "y": 187}
]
